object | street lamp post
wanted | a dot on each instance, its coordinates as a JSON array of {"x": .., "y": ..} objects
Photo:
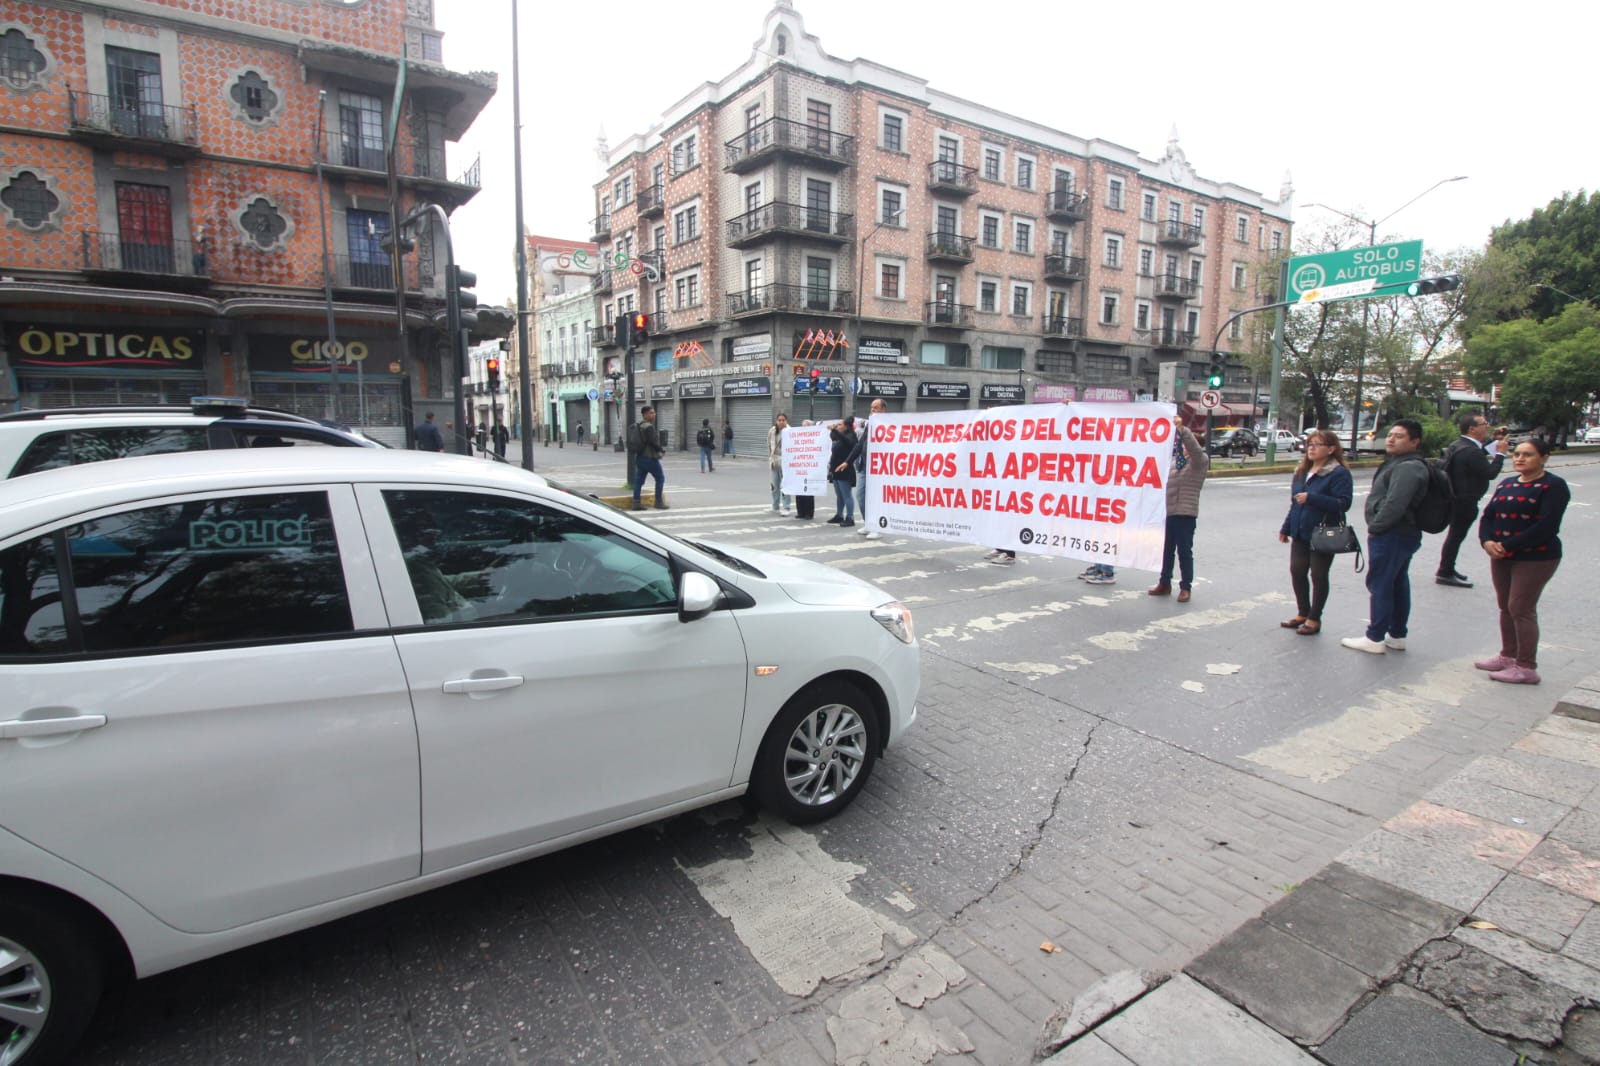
[
  {"x": 1366, "y": 310},
  {"x": 861, "y": 266}
]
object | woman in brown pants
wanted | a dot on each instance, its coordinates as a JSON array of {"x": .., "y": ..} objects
[{"x": 1520, "y": 529}]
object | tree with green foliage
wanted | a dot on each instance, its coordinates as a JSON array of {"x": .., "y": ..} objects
[
  {"x": 1535, "y": 266},
  {"x": 1548, "y": 371}
]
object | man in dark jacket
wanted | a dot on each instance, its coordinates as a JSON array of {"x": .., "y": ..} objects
[
  {"x": 1471, "y": 470},
  {"x": 648, "y": 460},
  {"x": 1393, "y": 537},
  {"x": 429, "y": 439}
]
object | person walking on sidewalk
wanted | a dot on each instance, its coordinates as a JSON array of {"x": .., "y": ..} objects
[
  {"x": 1186, "y": 477},
  {"x": 858, "y": 459},
  {"x": 727, "y": 439},
  {"x": 706, "y": 438},
  {"x": 1393, "y": 537},
  {"x": 1520, "y": 531},
  {"x": 841, "y": 473},
  {"x": 1471, "y": 469},
  {"x": 649, "y": 458},
  {"x": 775, "y": 463},
  {"x": 429, "y": 439},
  {"x": 1320, "y": 493}
]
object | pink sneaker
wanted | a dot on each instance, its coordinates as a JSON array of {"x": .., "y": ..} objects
[
  {"x": 1499, "y": 662},
  {"x": 1515, "y": 675}
]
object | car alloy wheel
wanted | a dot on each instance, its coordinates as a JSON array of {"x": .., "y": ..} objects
[
  {"x": 50, "y": 982},
  {"x": 818, "y": 753}
]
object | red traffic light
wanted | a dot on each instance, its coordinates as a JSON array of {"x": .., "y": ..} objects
[
  {"x": 641, "y": 321},
  {"x": 815, "y": 373},
  {"x": 494, "y": 366}
]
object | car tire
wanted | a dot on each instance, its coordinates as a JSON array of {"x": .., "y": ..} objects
[
  {"x": 817, "y": 754},
  {"x": 46, "y": 964}
]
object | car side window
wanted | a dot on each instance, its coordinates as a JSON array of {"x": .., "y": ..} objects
[
  {"x": 237, "y": 568},
  {"x": 475, "y": 557},
  {"x": 32, "y": 619},
  {"x": 74, "y": 446}
]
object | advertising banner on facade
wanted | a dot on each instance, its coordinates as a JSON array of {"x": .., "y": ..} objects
[
  {"x": 99, "y": 346},
  {"x": 805, "y": 460},
  {"x": 747, "y": 387},
  {"x": 880, "y": 350},
  {"x": 1084, "y": 481}
]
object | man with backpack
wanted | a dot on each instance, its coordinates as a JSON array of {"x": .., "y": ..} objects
[
  {"x": 1393, "y": 537},
  {"x": 707, "y": 440},
  {"x": 1471, "y": 468}
]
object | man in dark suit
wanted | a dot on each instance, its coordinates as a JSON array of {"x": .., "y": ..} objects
[{"x": 1471, "y": 470}]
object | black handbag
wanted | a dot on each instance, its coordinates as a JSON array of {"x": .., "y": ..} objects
[{"x": 1338, "y": 540}]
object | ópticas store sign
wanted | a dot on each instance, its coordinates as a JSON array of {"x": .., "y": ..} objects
[{"x": 61, "y": 347}]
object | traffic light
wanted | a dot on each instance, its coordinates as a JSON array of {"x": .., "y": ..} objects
[
  {"x": 459, "y": 285},
  {"x": 493, "y": 367},
  {"x": 816, "y": 379},
  {"x": 638, "y": 328},
  {"x": 1429, "y": 286},
  {"x": 1217, "y": 372}
]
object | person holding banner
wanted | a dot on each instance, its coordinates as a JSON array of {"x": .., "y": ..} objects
[
  {"x": 1185, "y": 478},
  {"x": 858, "y": 459},
  {"x": 1321, "y": 492},
  {"x": 775, "y": 463},
  {"x": 842, "y": 473}
]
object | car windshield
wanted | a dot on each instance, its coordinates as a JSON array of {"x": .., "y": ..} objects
[{"x": 705, "y": 549}]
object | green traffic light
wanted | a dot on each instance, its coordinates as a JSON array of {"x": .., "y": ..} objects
[{"x": 1214, "y": 381}]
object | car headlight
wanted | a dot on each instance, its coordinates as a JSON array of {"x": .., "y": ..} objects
[{"x": 896, "y": 618}]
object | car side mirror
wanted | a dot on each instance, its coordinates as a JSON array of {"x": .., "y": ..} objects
[{"x": 698, "y": 595}]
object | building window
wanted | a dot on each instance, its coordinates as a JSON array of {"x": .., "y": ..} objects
[
  {"x": 893, "y": 132},
  {"x": 1022, "y": 238},
  {"x": 1236, "y": 329},
  {"x": 992, "y": 160},
  {"x": 1057, "y": 362},
  {"x": 1021, "y": 298},
  {"x": 989, "y": 296},
  {"x": 686, "y": 224},
  {"x": 1195, "y": 267},
  {"x": 752, "y": 197},
  {"x": 1024, "y": 173},
  {"x": 752, "y": 277},
  {"x": 1141, "y": 315},
  {"x": 1110, "y": 305},
  {"x": 1146, "y": 259},
  {"x": 370, "y": 267},
  {"x": 262, "y": 222},
  {"x": 1277, "y": 241},
  {"x": 889, "y": 281},
  {"x": 891, "y": 204},
  {"x": 685, "y": 155},
  {"x": 29, "y": 201},
  {"x": 253, "y": 97},
  {"x": 623, "y": 190},
  {"x": 1064, "y": 183},
  {"x": 936, "y": 354},
  {"x": 688, "y": 291},
  {"x": 1114, "y": 194},
  {"x": 1147, "y": 210},
  {"x": 1241, "y": 229},
  {"x": 989, "y": 231},
  {"x": 22, "y": 64},
  {"x": 1174, "y": 211},
  {"x": 819, "y": 283},
  {"x": 819, "y": 120},
  {"x": 1239, "y": 277},
  {"x": 1113, "y": 252},
  {"x": 660, "y": 237},
  {"x": 360, "y": 131},
  {"x": 949, "y": 149},
  {"x": 1194, "y": 322},
  {"x": 660, "y": 303},
  {"x": 1200, "y": 218},
  {"x": 947, "y": 220},
  {"x": 1001, "y": 358},
  {"x": 1060, "y": 242}
]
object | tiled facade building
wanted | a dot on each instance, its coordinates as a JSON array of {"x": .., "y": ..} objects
[
  {"x": 172, "y": 173},
  {"x": 806, "y": 212}
]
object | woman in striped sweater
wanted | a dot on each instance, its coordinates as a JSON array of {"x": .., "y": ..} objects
[{"x": 1520, "y": 530}]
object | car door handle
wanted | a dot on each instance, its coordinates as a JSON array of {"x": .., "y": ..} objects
[
  {"x": 45, "y": 727},
  {"x": 458, "y": 685}
]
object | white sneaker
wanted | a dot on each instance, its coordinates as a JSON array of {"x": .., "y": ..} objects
[
  {"x": 1395, "y": 643},
  {"x": 995, "y": 554},
  {"x": 873, "y": 534},
  {"x": 787, "y": 511},
  {"x": 1100, "y": 579},
  {"x": 1001, "y": 559},
  {"x": 1361, "y": 643},
  {"x": 864, "y": 531}
]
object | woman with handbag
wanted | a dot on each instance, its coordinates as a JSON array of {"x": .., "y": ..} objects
[{"x": 1318, "y": 499}]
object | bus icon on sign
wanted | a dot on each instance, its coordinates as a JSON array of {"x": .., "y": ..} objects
[{"x": 1310, "y": 276}]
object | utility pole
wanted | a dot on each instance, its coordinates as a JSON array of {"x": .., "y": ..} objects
[{"x": 524, "y": 369}]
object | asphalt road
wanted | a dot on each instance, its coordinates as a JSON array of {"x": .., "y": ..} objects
[{"x": 1123, "y": 777}]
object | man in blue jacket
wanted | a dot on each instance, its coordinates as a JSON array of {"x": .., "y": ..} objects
[{"x": 1393, "y": 537}]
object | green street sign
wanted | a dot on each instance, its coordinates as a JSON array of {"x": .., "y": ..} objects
[{"x": 1380, "y": 270}]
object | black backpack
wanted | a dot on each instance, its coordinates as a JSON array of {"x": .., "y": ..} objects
[
  {"x": 705, "y": 438},
  {"x": 1432, "y": 512},
  {"x": 635, "y": 438}
]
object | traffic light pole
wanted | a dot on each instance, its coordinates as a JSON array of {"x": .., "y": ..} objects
[
  {"x": 452, "y": 312},
  {"x": 626, "y": 322}
]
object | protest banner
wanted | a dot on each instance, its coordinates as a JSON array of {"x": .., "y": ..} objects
[
  {"x": 1081, "y": 480},
  {"x": 805, "y": 461}
]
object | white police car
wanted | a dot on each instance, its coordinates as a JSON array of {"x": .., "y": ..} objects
[{"x": 247, "y": 692}]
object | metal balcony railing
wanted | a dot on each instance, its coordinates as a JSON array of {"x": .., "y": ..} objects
[
  {"x": 946, "y": 313},
  {"x": 942, "y": 245},
  {"x": 652, "y": 201},
  {"x": 779, "y": 297},
  {"x": 1064, "y": 267},
  {"x": 789, "y": 218},
  {"x": 601, "y": 282},
  {"x": 1063, "y": 206},
  {"x": 350, "y": 272},
  {"x": 415, "y": 159},
  {"x": 1062, "y": 326},
  {"x": 141, "y": 119},
  {"x": 110, "y": 253},
  {"x": 946, "y": 175},
  {"x": 602, "y": 226},
  {"x": 1172, "y": 231},
  {"x": 782, "y": 135},
  {"x": 1175, "y": 285},
  {"x": 603, "y": 336},
  {"x": 1171, "y": 337}
]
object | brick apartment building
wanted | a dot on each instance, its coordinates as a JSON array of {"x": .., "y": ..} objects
[
  {"x": 805, "y": 212},
  {"x": 171, "y": 172}
]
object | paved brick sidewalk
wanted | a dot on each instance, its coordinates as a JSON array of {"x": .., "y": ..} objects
[{"x": 1465, "y": 930}]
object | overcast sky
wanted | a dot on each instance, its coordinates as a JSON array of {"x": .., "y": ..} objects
[{"x": 1364, "y": 103}]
